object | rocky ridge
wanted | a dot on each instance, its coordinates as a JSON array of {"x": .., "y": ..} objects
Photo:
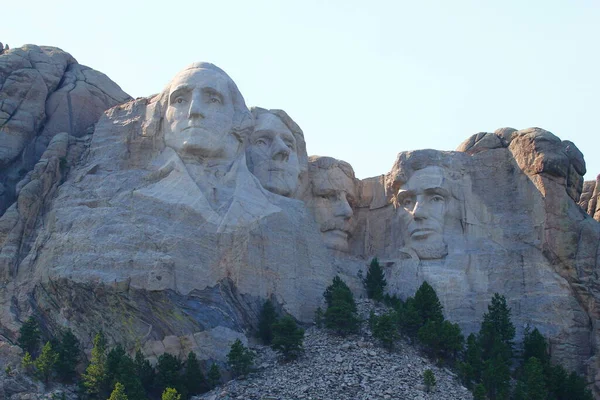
[{"x": 343, "y": 368}]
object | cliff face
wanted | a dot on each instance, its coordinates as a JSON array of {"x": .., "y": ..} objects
[{"x": 172, "y": 223}]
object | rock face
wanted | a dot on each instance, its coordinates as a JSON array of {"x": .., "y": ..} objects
[
  {"x": 43, "y": 92},
  {"x": 589, "y": 198},
  {"x": 172, "y": 223}
]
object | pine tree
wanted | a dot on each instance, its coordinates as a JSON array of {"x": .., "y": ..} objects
[
  {"x": 470, "y": 369},
  {"x": 441, "y": 339},
  {"x": 120, "y": 367},
  {"x": 535, "y": 345},
  {"x": 576, "y": 388},
  {"x": 268, "y": 316},
  {"x": 479, "y": 392},
  {"x": 214, "y": 376},
  {"x": 385, "y": 328},
  {"x": 194, "y": 379},
  {"x": 68, "y": 357},
  {"x": 144, "y": 371},
  {"x": 44, "y": 364},
  {"x": 287, "y": 338},
  {"x": 29, "y": 336},
  {"x": 427, "y": 304},
  {"x": 27, "y": 363},
  {"x": 95, "y": 376},
  {"x": 428, "y": 380},
  {"x": 344, "y": 292},
  {"x": 409, "y": 318},
  {"x": 168, "y": 372},
  {"x": 495, "y": 338},
  {"x": 375, "y": 282},
  {"x": 340, "y": 315},
  {"x": 240, "y": 358},
  {"x": 118, "y": 393},
  {"x": 533, "y": 379},
  {"x": 170, "y": 394}
]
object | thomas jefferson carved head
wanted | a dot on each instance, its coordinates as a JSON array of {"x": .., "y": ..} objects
[
  {"x": 205, "y": 115},
  {"x": 274, "y": 151},
  {"x": 333, "y": 188}
]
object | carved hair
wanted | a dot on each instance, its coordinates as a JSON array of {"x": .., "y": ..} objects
[
  {"x": 318, "y": 162},
  {"x": 243, "y": 122}
]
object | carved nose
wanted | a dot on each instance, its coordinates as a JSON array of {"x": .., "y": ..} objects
[
  {"x": 195, "y": 110},
  {"x": 419, "y": 211},
  {"x": 343, "y": 208},
  {"x": 280, "y": 150}
]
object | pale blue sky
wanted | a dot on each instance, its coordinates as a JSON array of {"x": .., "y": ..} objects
[{"x": 364, "y": 80}]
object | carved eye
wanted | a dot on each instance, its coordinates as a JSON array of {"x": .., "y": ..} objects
[
  {"x": 260, "y": 142},
  {"x": 290, "y": 145},
  {"x": 179, "y": 100},
  {"x": 407, "y": 202},
  {"x": 437, "y": 198},
  {"x": 215, "y": 100}
]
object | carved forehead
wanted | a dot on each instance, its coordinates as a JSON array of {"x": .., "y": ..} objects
[
  {"x": 426, "y": 178},
  {"x": 332, "y": 179},
  {"x": 271, "y": 122},
  {"x": 200, "y": 78}
]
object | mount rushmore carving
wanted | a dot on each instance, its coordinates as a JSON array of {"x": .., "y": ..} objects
[{"x": 175, "y": 219}]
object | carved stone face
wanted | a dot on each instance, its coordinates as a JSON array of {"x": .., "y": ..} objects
[
  {"x": 423, "y": 204},
  {"x": 333, "y": 194},
  {"x": 199, "y": 115},
  {"x": 272, "y": 155}
]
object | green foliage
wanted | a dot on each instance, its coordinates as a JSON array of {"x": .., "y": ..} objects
[
  {"x": 533, "y": 383},
  {"x": 576, "y": 388},
  {"x": 409, "y": 318},
  {"x": 319, "y": 317},
  {"x": 44, "y": 364},
  {"x": 214, "y": 376},
  {"x": 343, "y": 292},
  {"x": 427, "y": 304},
  {"x": 287, "y": 338},
  {"x": 95, "y": 375},
  {"x": 27, "y": 363},
  {"x": 393, "y": 301},
  {"x": 340, "y": 315},
  {"x": 144, "y": 371},
  {"x": 495, "y": 338},
  {"x": 170, "y": 394},
  {"x": 375, "y": 282},
  {"x": 428, "y": 380},
  {"x": 385, "y": 328},
  {"x": 441, "y": 339},
  {"x": 535, "y": 345},
  {"x": 267, "y": 318},
  {"x": 497, "y": 331},
  {"x": 240, "y": 358},
  {"x": 168, "y": 372},
  {"x": 120, "y": 367},
  {"x": 118, "y": 392},
  {"x": 470, "y": 369},
  {"x": 479, "y": 392},
  {"x": 29, "y": 336},
  {"x": 194, "y": 379},
  {"x": 68, "y": 357}
]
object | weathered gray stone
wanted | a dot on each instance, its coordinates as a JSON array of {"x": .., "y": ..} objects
[{"x": 43, "y": 91}]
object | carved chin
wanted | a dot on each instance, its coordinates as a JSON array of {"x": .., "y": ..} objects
[
  {"x": 336, "y": 240},
  {"x": 430, "y": 249}
]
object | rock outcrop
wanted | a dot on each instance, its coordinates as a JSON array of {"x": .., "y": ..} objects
[
  {"x": 43, "y": 92},
  {"x": 155, "y": 229},
  {"x": 589, "y": 198}
]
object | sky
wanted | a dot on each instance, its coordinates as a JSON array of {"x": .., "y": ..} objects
[{"x": 364, "y": 80}]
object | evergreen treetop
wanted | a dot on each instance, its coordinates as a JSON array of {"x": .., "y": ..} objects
[
  {"x": 118, "y": 393},
  {"x": 428, "y": 304},
  {"x": 95, "y": 375},
  {"x": 268, "y": 316},
  {"x": 375, "y": 282},
  {"x": 287, "y": 338},
  {"x": 240, "y": 358},
  {"x": 29, "y": 336},
  {"x": 194, "y": 379}
]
